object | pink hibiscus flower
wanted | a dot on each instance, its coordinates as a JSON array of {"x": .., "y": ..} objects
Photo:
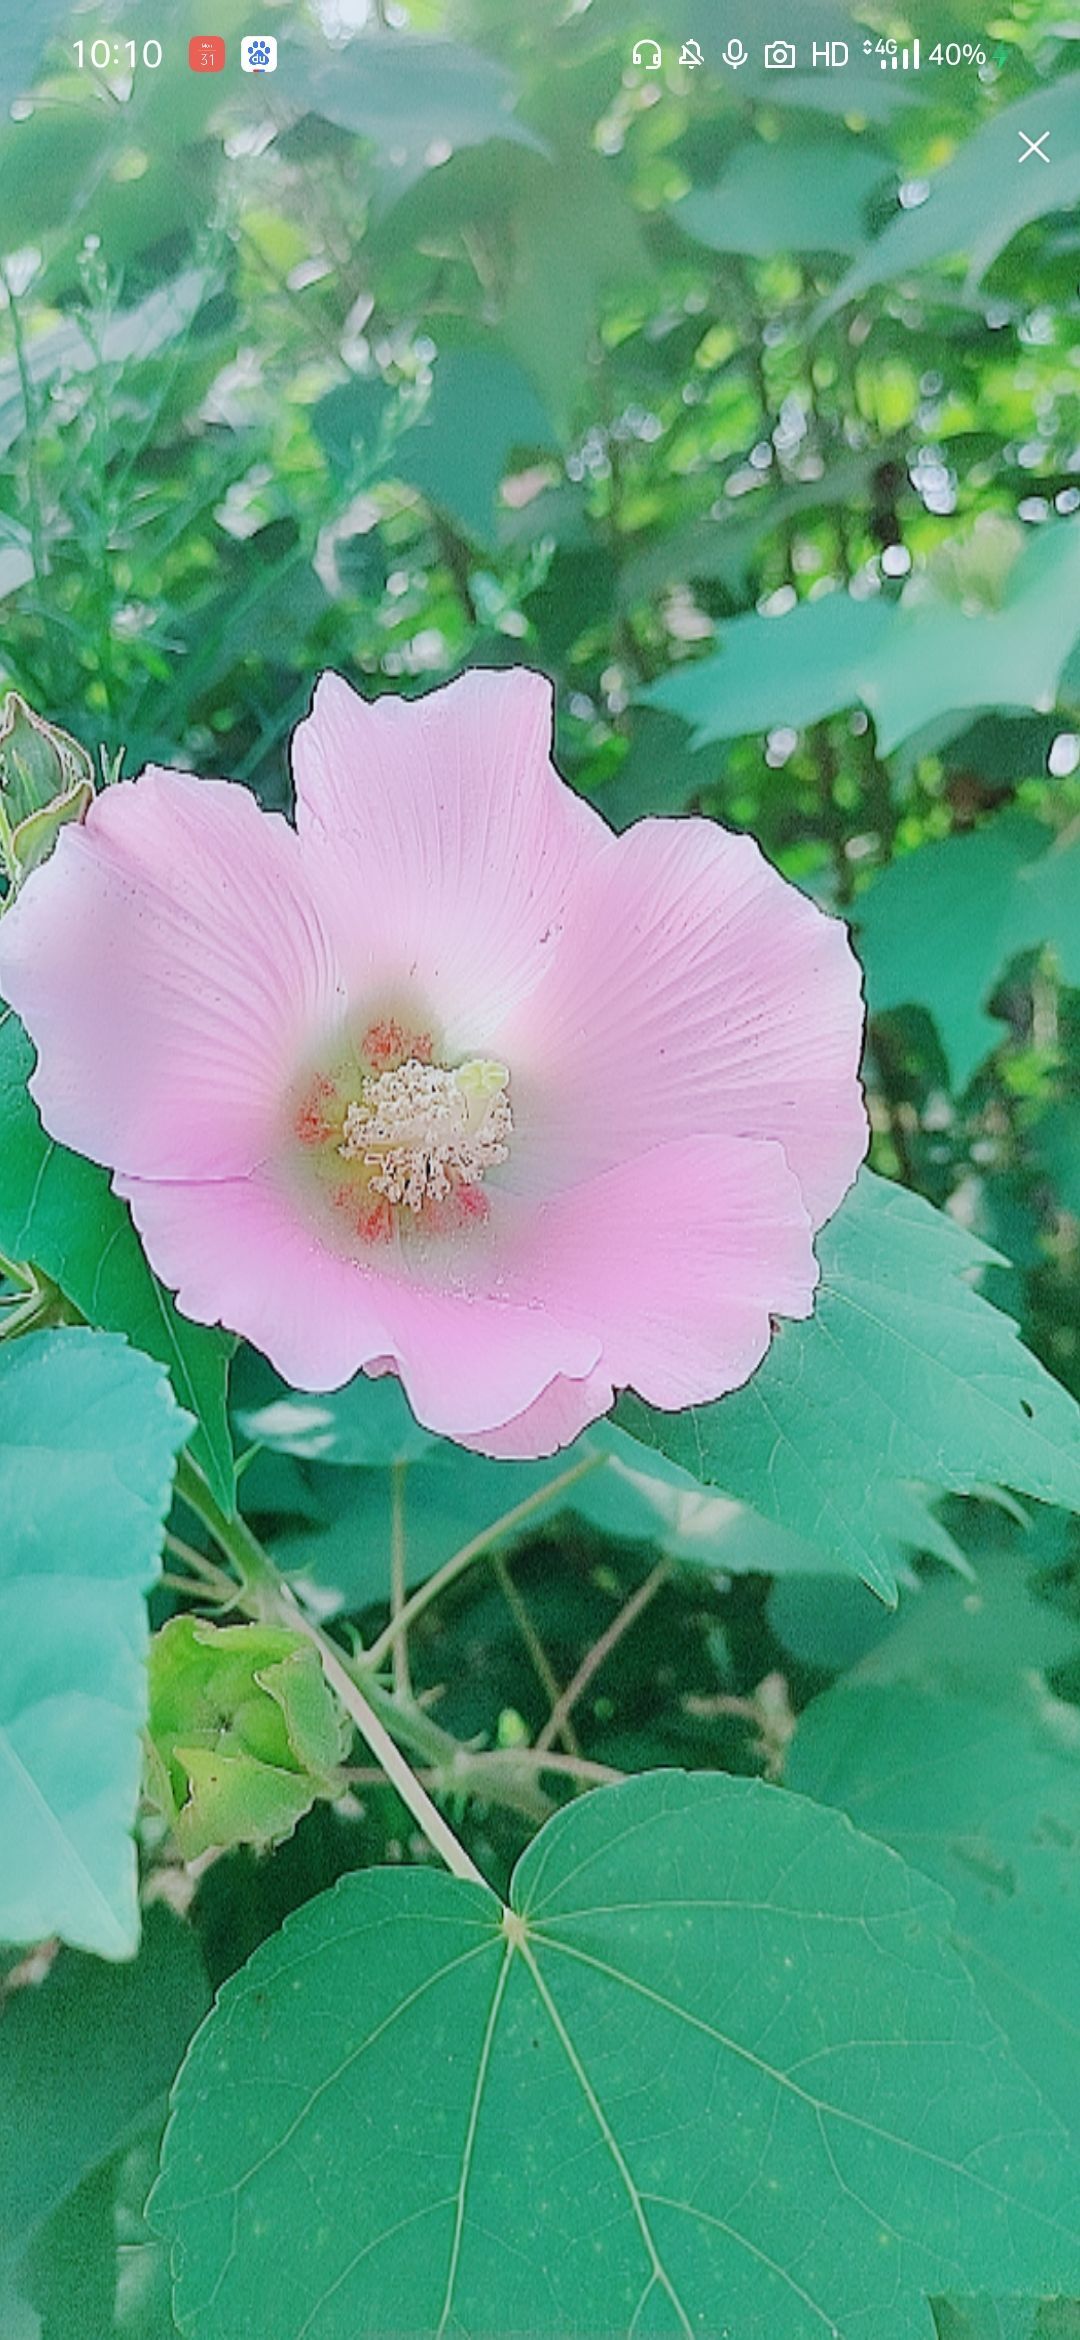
[{"x": 448, "y": 1080}]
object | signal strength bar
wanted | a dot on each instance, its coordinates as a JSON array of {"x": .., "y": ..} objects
[{"x": 907, "y": 59}]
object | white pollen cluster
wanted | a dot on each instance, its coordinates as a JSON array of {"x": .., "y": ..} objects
[{"x": 423, "y": 1130}]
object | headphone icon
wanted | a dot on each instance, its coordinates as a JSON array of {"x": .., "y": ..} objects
[{"x": 652, "y": 64}]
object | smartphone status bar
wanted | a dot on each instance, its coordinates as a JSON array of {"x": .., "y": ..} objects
[{"x": 779, "y": 56}]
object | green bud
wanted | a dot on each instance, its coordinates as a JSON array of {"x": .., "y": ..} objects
[
  {"x": 244, "y": 1732},
  {"x": 46, "y": 780}
]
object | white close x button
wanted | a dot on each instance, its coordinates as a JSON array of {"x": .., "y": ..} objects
[{"x": 1033, "y": 146}]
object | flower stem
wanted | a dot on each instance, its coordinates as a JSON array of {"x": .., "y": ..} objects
[
  {"x": 474, "y": 1550},
  {"x": 387, "y": 1753},
  {"x": 601, "y": 1650},
  {"x": 265, "y": 1593},
  {"x": 541, "y": 1662},
  {"x": 402, "y": 1677}
]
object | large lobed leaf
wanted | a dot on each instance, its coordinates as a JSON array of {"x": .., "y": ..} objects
[
  {"x": 88, "y": 1434},
  {"x": 987, "y": 1800},
  {"x": 945, "y": 1742},
  {"x": 902, "y": 1362},
  {"x": 59, "y": 1212},
  {"x": 719, "y": 2069},
  {"x": 338, "y": 1524}
]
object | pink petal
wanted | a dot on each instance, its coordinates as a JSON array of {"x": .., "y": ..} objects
[
  {"x": 239, "y": 1252},
  {"x": 678, "y": 1259},
  {"x": 469, "y": 1364},
  {"x": 682, "y": 1258},
  {"x": 168, "y": 961},
  {"x": 444, "y": 839},
  {"x": 561, "y": 1412},
  {"x": 693, "y": 992}
]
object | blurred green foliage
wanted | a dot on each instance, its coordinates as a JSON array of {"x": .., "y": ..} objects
[{"x": 748, "y": 407}]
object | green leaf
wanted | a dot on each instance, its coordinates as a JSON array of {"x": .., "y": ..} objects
[
  {"x": 1007, "y": 2319},
  {"x": 416, "y": 98},
  {"x": 369, "y": 1421},
  {"x": 721, "y": 2051},
  {"x": 917, "y": 663},
  {"x": 88, "y": 1434},
  {"x": 85, "y": 2056},
  {"x": 776, "y": 670},
  {"x": 23, "y": 44},
  {"x": 94, "y": 2271},
  {"x": 85, "y": 2069},
  {"x": 449, "y": 1498},
  {"x": 955, "y": 1637},
  {"x": 482, "y": 411},
  {"x": 352, "y": 414},
  {"x": 900, "y": 1361},
  {"x": 940, "y": 660},
  {"x": 945, "y": 1741},
  {"x": 987, "y": 1800},
  {"x": 999, "y": 890},
  {"x": 576, "y": 241},
  {"x": 799, "y": 196},
  {"x": 956, "y": 217},
  {"x": 59, "y": 1212}
]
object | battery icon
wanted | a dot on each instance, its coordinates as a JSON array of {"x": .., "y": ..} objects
[{"x": 908, "y": 60}]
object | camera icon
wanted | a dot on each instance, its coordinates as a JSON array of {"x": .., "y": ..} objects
[{"x": 780, "y": 54}]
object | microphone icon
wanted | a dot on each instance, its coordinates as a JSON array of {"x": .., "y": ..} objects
[{"x": 735, "y": 54}]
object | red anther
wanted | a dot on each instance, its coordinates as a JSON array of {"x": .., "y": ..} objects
[
  {"x": 384, "y": 1044},
  {"x": 455, "y": 1210},
  {"x": 310, "y": 1127},
  {"x": 421, "y": 1048},
  {"x": 375, "y": 1223}
]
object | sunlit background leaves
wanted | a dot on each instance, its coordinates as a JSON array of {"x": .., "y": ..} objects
[{"x": 748, "y": 407}]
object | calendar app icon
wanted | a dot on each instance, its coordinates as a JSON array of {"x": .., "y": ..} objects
[{"x": 206, "y": 53}]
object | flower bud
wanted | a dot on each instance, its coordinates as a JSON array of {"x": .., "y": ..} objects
[{"x": 46, "y": 780}]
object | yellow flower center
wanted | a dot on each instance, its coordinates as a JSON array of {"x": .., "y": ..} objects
[
  {"x": 421, "y": 1131},
  {"x": 396, "y": 1146}
]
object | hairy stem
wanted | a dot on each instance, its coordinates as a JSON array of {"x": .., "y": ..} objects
[
  {"x": 387, "y": 1753},
  {"x": 265, "y": 1593},
  {"x": 458, "y": 1562},
  {"x": 402, "y": 1677},
  {"x": 541, "y": 1662},
  {"x": 595, "y": 1657}
]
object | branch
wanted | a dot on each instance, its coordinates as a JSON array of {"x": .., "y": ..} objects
[
  {"x": 266, "y": 1592},
  {"x": 454, "y": 1567},
  {"x": 601, "y": 1650}
]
